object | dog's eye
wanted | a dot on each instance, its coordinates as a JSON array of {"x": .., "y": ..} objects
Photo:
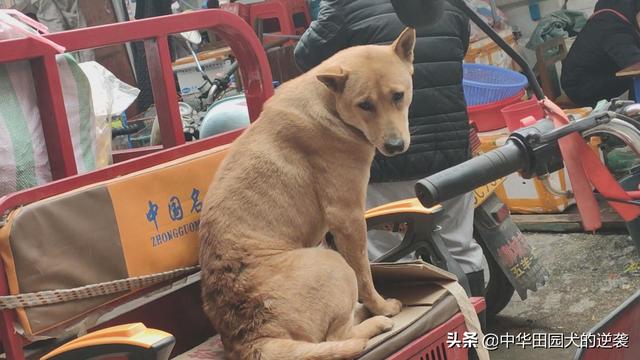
[
  {"x": 366, "y": 105},
  {"x": 397, "y": 96}
]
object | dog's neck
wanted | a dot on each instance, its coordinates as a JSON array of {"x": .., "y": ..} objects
[{"x": 316, "y": 107}]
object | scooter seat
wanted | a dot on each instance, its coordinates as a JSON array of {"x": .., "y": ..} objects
[{"x": 412, "y": 323}]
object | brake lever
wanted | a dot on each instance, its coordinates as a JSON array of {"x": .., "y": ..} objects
[
  {"x": 619, "y": 105},
  {"x": 579, "y": 126}
]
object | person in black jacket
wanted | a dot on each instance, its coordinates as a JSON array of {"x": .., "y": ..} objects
[
  {"x": 438, "y": 119},
  {"x": 608, "y": 43}
]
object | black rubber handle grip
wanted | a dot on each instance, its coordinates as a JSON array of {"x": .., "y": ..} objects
[
  {"x": 471, "y": 174},
  {"x": 127, "y": 130},
  {"x": 232, "y": 70}
]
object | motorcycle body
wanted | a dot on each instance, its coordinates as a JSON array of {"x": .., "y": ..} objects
[
  {"x": 209, "y": 92},
  {"x": 220, "y": 109},
  {"x": 534, "y": 151},
  {"x": 511, "y": 263},
  {"x": 228, "y": 114}
]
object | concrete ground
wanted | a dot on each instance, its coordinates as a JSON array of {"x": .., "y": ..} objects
[{"x": 590, "y": 275}]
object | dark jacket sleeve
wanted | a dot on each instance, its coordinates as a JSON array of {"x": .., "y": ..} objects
[
  {"x": 324, "y": 37},
  {"x": 621, "y": 45}
]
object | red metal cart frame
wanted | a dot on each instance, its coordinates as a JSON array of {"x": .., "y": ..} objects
[{"x": 154, "y": 32}]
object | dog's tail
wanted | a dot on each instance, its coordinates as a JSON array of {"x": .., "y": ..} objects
[{"x": 287, "y": 349}]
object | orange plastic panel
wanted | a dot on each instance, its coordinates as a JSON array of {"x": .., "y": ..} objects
[{"x": 130, "y": 334}]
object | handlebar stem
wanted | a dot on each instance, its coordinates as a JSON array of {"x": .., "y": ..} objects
[{"x": 543, "y": 157}]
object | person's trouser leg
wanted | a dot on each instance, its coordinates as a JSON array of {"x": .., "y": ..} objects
[{"x": 456, "y": 230}]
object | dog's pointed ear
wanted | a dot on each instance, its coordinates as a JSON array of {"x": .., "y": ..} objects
[
  {"x": 404, "y": 44},
  {"x": 334, "y": 78}
]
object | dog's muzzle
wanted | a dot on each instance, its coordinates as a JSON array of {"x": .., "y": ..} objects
[{"x": 394, "y": 146}]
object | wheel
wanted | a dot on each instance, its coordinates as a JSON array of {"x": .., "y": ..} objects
[
  {"x": 498, "y": 290},
  {"x": 614, "y": 135}
]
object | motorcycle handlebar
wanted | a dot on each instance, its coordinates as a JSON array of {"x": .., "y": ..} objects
[
  {"x": 127, "y": 129},
  {"x": 471, "y": 174},
  {"x": 232, "y": 70}
]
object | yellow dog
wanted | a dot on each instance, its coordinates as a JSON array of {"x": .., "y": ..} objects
[{"x": 299, "y": 172}]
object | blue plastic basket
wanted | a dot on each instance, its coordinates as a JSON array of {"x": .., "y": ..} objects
[{"x": 484, "y": 84}]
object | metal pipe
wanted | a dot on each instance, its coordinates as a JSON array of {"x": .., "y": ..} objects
[
  {"x": 546, "y": 182},
  {"x": 629, "y": 134},
  {"x": 632, "y": 110},
  {"x": 284, "y": 36}
]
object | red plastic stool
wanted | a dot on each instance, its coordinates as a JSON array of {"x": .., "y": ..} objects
[
  {"x": 269, "y": 10},
  {"x": 299, "y": 12},
  {"x": 242, "y": 10},
  {"x": 280, "y": 17}
]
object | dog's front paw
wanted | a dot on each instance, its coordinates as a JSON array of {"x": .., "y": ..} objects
[
  {"x": 393, "y": 307},
  {"x": 384, "y": 323},
  {"x": 389, "y": 307}
]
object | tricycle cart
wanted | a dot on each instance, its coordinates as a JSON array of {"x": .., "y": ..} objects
[
  {"x": 625, "y": 319},
  {"x": 112, "y": 254}
]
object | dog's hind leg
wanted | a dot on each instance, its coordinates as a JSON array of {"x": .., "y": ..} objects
[
  {"x": 361, "y": 313},
  {"x": 287, "y": 349},
  {"x": 365, "y": 330},
  {"x": 371, "y": 327},
  {"x": 311, "y": 295}
]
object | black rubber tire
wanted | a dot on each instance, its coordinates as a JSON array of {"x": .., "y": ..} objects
[
  {"x": 632, "y": 182},
  {"x": 498, "y": 291}
]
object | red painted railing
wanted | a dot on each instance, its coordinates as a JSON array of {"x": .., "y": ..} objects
[{"x": 256, "y": 76}]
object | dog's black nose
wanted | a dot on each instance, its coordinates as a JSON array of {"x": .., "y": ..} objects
[{"x": 394, "y": 145}]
